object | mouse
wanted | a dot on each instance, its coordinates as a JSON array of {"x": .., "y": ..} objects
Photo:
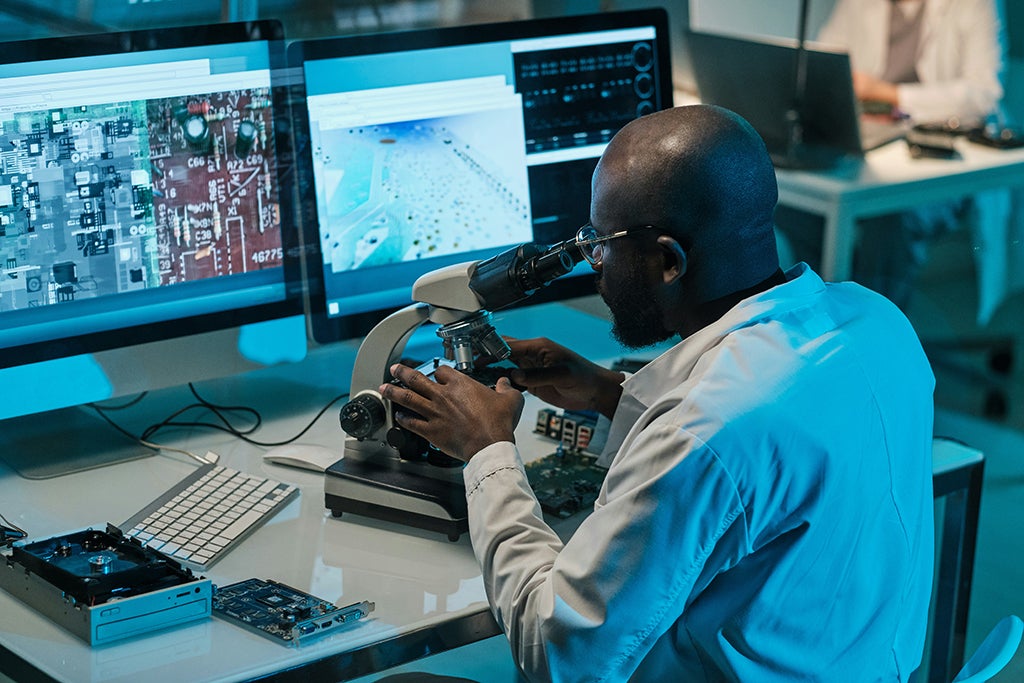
[{"x": 303, "y": 455}]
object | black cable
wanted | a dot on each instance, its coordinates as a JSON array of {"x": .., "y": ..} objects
[
  {"x": 220, "y": 412},
  {"x": 101, "y": 411}
]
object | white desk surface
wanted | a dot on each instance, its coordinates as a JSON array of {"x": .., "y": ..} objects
[
  {"x": 888, "y": 179},
  {"x": 417, "y": 579}
]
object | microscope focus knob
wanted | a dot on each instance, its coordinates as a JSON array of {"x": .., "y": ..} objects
[{"x": 362, "y": 416}]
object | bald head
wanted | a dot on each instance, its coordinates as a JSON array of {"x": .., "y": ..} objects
[{"x": 702, "y": 175}]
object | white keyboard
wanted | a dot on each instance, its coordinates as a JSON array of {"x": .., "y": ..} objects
[{"x": 206, "y": 514}]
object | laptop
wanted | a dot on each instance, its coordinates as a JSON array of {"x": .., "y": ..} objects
[{"x": 756, "y": 80}]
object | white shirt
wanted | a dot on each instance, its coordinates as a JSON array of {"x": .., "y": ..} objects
[
  {"x": 767, "y": 516},
  {"x": 960, "y": 60}
]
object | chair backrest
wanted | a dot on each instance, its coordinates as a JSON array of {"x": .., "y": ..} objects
[{"x": 994, "y": 653}]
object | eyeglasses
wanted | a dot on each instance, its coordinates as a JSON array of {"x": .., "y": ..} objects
[{"x": 591, "y": 245}]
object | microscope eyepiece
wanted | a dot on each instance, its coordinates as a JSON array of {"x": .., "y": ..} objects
[
  {"x": 550, "y": 265},
  {"x": 515, "y": 274}
]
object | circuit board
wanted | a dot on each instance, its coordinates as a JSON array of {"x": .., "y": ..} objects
[
  {"x": 565, "y": 482},
  {"x": 283, "y": 613},
  {"x": 103, "y": 199}
]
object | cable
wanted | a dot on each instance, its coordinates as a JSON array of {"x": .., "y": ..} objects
[
  {"x": 10, "y": 532},
  {"x": 219, "y": 411},
  {"x": 224, "y": 423},
  {"x": 148, "y": 444}
]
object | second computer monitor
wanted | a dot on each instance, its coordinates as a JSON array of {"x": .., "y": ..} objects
[{"x": 432, "y": 147}]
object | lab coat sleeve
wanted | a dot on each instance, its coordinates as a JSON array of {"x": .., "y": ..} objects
[{"x": 591, "y": 610}]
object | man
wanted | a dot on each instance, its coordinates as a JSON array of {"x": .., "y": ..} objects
[
  {"x": 938, "y": 62},
  {"x": 766, "y": 514}
]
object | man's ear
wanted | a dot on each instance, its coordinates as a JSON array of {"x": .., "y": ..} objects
[{"x": 673, "y": 259}]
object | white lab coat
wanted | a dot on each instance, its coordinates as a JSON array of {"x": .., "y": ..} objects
[
  {"x": 766, "y": 516},
  {"x": 960, "y": 66},
  {"x": 960, "y": 60}
]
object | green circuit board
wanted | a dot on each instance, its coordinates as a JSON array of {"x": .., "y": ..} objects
[{"x": 565, "y": 482}]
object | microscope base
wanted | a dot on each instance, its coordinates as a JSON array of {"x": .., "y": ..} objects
[{"x": 392, "y": 495}]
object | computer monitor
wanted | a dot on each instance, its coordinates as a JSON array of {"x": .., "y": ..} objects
[
  {"x": 143, "y": 232},
  {"x": 427, "y": 148},
  {"x": 757, "y": 80}
]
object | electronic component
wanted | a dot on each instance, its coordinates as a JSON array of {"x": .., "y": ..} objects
[
  {"x": 283, "y": 613},
  {"x": 573, "y": 429},
  {"x": 565, "y": 482},
  {"x": 102, "y": 586},
  {"x": 9, "y": 533},
  {"x": 569, "y": 479}
]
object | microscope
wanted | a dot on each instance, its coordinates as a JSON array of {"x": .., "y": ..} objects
[{"x": 388, "y": 472}]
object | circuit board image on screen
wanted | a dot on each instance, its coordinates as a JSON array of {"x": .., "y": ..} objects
[{"x": 109, "y": 198}]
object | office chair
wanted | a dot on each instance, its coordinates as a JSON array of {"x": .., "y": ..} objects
[{"x": 994, "y": 653}]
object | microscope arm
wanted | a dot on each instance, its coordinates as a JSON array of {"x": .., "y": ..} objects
[
  {"x": 383, "y": 347},
  {"x": 442, "y": 296}
]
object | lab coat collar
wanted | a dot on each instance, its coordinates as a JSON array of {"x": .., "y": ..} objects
[{"x": 663, "y": 374}]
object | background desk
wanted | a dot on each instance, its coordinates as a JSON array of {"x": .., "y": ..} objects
[{"x": 889, "y": 180}]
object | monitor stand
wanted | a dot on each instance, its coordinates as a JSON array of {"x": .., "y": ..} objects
[{"x": 58, "y": 442}]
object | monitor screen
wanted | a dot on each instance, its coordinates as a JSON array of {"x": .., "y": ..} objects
[
  {"x": 139, "y": 203},
  {"x": 433, "y": 147}
]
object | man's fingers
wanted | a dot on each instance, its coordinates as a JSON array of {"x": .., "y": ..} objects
[
  {"x": 412, "y": 395},
  {"x": 411, "y": 421},
  {"x": 528, "y": 353},
  {"x": 407, "y": 398},
  {"x": 414, "y": 379}
]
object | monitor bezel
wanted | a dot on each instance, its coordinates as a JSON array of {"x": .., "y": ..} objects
[
  {"x": 325, "y": 329},
  {"x": 169, "y": 38}
]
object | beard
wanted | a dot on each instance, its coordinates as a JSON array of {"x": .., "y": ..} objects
[{"x": 637, "y": 317}]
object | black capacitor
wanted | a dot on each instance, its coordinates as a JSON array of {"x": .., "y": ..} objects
[
  {"x": 197, "y": 134},
  {"x": 245, "y": 138}
]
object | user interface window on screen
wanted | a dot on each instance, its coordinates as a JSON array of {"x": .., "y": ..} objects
[
  {"x": 441, "y": 153},
  {"x": 136, "y": 188}
]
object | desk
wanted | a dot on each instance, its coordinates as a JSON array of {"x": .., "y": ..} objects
[
  {"x": 889, "y": 180},
  {"x": 428, "y": 591}
]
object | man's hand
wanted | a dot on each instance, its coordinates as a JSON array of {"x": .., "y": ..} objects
[
  {"x": 870, "y": 89},
  {"x": 563, "y": 378},
  {"x": 456, "y": 413}
]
